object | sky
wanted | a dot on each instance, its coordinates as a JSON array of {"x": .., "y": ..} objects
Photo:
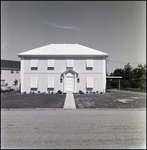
[{"x": 114, "y": 27}]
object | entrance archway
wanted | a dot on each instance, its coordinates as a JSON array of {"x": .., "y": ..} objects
[{"x": 69, "y": 78}]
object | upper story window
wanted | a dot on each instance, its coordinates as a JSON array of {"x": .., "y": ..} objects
[
  {"x": 70, "y": 63},
  {"x": 89, "y": 64},
  {"x": 34, "y": 64},
  {"x": 51, "y": 64}
]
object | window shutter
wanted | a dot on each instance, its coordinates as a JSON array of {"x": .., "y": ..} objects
[
  {"x": 50, "y": 62},
  {"x": 34, "y": 82},
  {"x": 69, "y": 62},
  {"x": 89, "y": 62},
  {"x": 34, "y": 63},
  {"x": 89, "y": 82},
  {"x": 50, "y": 82}
]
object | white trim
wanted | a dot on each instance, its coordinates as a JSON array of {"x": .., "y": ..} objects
[
  {"x": 56, "y": 72},
  {"x": 75, "y": 83},
  {"x": 104, "y": 75},
  {"x": 22, "y": 75}
]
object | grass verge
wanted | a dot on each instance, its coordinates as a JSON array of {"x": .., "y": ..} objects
[
  {"x": 18, "y": 100},
  {"x": 110, "y": 100}
]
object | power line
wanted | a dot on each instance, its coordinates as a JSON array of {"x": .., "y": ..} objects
[{"x": 126, "y": 62}]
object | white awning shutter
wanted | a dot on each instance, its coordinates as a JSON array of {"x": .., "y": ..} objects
[
  {"x": 34, "y": 82},
  {"x": 89, "y": 82},
  {"x": 89, "y": 63},
  {"x": 51, "y": 62},
  {"x": 34, "y": 63},
  {"x": 70, "y": 63},
  {"x": 50, "y": 82}
]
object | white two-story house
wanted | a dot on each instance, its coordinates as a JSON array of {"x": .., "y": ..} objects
[{"x": 64, "y": 67}]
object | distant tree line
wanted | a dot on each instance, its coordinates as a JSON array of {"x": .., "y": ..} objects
[{"x": 131, "y": 77}]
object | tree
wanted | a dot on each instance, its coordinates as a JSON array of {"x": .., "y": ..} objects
[
  {"x": 15, "y": 82},
  {"x": 131, "y": 77},
  {"x": 127, "y": 75}
]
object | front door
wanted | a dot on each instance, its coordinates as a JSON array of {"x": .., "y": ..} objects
[{"x": 69, "y": 84}]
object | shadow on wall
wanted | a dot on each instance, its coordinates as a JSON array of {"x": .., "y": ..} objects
[
  {"x": 50, "y": 68},
  {"x": 89, "y": 68},
  {"x": 33, "y": 89},
  {"x": 33, "y": 68}
]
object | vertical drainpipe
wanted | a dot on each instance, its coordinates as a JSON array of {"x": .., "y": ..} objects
[
  {"x": 22, "y": 75},
  {"x": 104, "y": 74}
]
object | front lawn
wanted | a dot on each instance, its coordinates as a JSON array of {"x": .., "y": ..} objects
[
  {"x": 110, "y": 100},
  {"x": 106, "y": 100},
  {"x": 18, "y": 100}
]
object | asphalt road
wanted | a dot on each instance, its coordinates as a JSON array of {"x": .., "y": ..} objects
[{"x": 73, "y": 129}]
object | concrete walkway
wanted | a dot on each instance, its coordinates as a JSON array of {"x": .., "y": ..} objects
[{"x": 69, "y": 101}]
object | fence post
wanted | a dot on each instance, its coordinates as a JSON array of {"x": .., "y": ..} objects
[{"x": 119, "y": 83}]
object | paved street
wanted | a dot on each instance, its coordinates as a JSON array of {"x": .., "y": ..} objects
[{"x": 83, "y": 129}]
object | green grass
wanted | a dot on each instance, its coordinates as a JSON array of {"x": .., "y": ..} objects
[
  {"x": 18, "y": 100},
  {"x": 109, "y": 100}
]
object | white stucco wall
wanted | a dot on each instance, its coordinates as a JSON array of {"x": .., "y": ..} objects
[{"x": 98, "y": 73}]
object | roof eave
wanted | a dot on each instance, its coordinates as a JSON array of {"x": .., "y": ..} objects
[{"x": 66, "y": 55}]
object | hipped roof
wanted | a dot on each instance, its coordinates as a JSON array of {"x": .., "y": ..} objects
[{"x": 62, "y": 50}]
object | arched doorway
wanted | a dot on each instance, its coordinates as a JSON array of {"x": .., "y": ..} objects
[{"x": 69, "y": 78}]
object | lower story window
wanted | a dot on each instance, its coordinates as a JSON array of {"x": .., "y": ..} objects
[
  {"x": 89, "y": 83},
  {"x": 2, "y": 82},
  {"x": 34, "y": 83},
  {"x": 50, "y": 82}
]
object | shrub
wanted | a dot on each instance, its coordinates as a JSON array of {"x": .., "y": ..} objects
[
  {"x": 59, "y": 92},
  {"x": 24, "y": 92},
  {"x": 38, "y": 91},
  {"x": 87, "y": 92},
  {"x": 97, "y": 92},
  {"x": 81, "y": 92},
  {"x": 52, "y": 92},
  {"x": 93, "y": 92}
]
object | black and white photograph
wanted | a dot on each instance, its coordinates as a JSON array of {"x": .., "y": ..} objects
[{"x": 73, "y": 74}]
